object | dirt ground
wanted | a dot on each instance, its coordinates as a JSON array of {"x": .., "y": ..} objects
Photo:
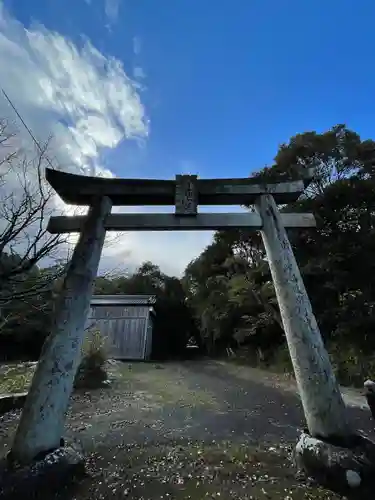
[{"x": 189, "y": 430}]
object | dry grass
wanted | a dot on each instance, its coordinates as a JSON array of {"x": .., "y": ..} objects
[
  {"x": 168, "y": 386},
  {"x": 16, "y": 377}
]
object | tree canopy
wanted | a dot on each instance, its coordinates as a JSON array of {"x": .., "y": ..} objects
[{"x": 229, "y": 286}]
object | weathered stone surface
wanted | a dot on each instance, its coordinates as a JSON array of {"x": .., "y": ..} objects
[
  {"x": 369, "y": 386},
  {"x": 9, "y": 402},
  {"x": 43, "y": 477},
  {"x": 42, "y": 420},
  {"x": 325, "y": 411},
  {"x": 339, "y": 468}
]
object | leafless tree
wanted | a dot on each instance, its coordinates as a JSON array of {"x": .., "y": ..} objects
[{"x": 26, "y": 203}]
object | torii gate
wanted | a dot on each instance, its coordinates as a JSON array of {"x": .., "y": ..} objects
[{"x": 42, "y": 422}]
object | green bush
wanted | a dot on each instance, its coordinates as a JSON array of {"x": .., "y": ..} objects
[
  {"x": 91, "y": 372},
  {"x": 281, "y": 361},
  {"x": 352, "y": 367}
]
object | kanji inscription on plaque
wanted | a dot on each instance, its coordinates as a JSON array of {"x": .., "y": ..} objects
[{"x": 186, "y": 199}]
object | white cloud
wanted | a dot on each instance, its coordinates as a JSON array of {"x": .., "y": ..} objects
[
  {"x": 139, "y": 73},
  {"x": 82, "y": 98},
  {"x": 137, "y": 45},
  {"x": 86, "y": 102},
  {"x": 112, "y": 8}
]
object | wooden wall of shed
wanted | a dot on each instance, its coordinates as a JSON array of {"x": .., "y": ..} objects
[
  {"x": 125, "y": 329},
  {"x": 150, "y": 325}
]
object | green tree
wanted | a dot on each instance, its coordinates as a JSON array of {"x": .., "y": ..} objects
[{"x": 231, "y": 279}]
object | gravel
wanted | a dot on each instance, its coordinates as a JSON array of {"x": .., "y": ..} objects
[{"x": 188, "y": 430}]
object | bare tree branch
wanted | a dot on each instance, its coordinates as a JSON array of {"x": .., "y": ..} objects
[{"x": 27, "y": 204}]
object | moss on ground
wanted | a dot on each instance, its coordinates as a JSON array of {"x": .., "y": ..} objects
[
  {"x": 16, "y": 378},
  {"x": 168, "y": 386}
]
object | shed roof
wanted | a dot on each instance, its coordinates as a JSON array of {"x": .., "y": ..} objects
[{"x": 127, "y": 300}]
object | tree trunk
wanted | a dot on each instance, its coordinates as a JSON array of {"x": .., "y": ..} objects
[
  {"x": 324, "y": 408},
  {"x": 42, "y": 421}
]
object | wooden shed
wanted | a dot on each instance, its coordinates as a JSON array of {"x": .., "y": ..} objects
[{"x": 126, "y": 323}]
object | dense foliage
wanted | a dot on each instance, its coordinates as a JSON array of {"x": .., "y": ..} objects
[{"x": 229, "y": 285}]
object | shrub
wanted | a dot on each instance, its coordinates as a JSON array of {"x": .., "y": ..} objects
[
  {"x": 281, "y": 361},
  {"x": 352, "y": 367},
  {"x": 91, "y": 372}
]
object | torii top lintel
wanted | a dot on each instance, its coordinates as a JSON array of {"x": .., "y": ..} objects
[{"x": 81, "y": 189}]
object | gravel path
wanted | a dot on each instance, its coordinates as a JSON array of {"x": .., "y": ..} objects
[
  {"x": 189, "y": 405},
  {"x": 196, "y": 400},
  {"x": 201, "y": 400}
]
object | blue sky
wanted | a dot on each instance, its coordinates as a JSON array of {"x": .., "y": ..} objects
[
  {"x": 228, "y": 80},
  {"x": 223, "y": 82}
]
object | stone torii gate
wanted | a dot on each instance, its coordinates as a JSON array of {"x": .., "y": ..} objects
[{"x": 42, "y": 422}]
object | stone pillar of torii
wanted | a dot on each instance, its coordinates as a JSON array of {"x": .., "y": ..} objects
[{"x": 41, "y": 427}]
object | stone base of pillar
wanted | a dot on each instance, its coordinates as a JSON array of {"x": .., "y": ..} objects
[
  {"x": 42, "y": 478},
  {"x": 342, "y": 469}
]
